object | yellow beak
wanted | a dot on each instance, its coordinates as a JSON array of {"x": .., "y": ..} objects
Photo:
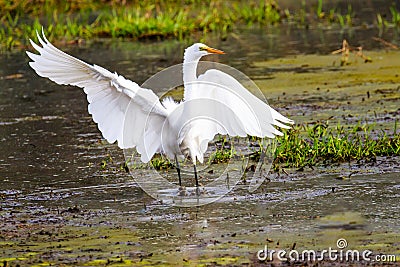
[{"x": 214, "y": 51}]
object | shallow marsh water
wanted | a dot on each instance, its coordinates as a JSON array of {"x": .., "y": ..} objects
[{"x": 59, "y": 206}]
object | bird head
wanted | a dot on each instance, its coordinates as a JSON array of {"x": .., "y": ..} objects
[
  {"x": 208, "y": 50},
  {"x": 198, "y": 50}
]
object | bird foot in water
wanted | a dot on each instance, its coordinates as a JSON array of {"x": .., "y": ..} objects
[{"x": 183, "y": 191}]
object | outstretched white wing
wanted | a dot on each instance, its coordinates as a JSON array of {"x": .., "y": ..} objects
[
  {"x": 236, "y": 111},
  {"x": 123, "y": 111},
  {"x": 256, "y": 117}
]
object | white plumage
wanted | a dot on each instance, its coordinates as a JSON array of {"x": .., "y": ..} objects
[{"x": 214, "y": 102}]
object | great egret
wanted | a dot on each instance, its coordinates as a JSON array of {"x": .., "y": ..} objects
[{"x": 135, "y": 117}]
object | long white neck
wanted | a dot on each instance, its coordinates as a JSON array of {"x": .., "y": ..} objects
[
  {"x": 190, "y": 62},
  {"x": 190, "y": 132}
]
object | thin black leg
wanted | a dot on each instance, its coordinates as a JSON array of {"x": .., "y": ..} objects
[
  {"x": 178, "y": 169},
  {"x": 195, "y": 175}
]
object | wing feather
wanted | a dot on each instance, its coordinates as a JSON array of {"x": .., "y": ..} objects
[
  {"x": 120, "y": 107},
  {"x": 237, "y": 111},
  {"x": 257, "y": 117}
]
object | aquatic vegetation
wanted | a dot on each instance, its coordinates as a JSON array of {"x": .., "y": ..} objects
[
  {"x": 264, "y": 12},
  {"x": 138, "y": 20},
  {"x": 315, "y": 144},
  {"x": 69, "y": 20},
  {"x": 347, "y": 19},
  {"x": 395, "y": 21},
  {"x": 322, "y": 16},
  {"x": 309, "y": 145},
  {"x": 224, "y": 153},
  {"x": 395, "y": 15},
  {"x": 320, "y": 143},
  {"x": 161, "y": 163},
  {"x": 106, "y": 162}
]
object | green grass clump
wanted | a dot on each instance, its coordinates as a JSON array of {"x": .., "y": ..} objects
[
  {"x": 224, "y": 152},
  {"x": 132, "y": 19},
  {"x": 313, "y": 144},
  {"x": 335, "y": 16},
  {"x": 161, "y": 163},
  {"x": 394, "y": 22},
  {"x": 153, "y": 19}
]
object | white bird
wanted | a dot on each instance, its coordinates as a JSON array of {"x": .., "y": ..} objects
[{"x": 214, "y": 103}]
